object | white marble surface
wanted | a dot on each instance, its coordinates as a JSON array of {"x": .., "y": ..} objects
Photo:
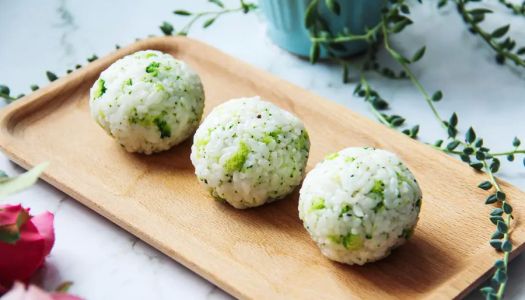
[{"x": 104, "y": 261}]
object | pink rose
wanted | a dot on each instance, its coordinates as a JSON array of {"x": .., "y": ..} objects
[
  {"x": 19, "y": 292},
  {"x": 25, "y": 241}
]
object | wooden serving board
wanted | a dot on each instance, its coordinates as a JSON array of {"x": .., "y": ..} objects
[{"x": 261, "y": 253}]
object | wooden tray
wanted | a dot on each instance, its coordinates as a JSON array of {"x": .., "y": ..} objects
[{"x": 261, "y": 253}]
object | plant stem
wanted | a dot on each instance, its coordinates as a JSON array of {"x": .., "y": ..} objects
[
  {"x": 215, "y": 14},
  {"x": 349, "y": 37},
  {"x": 460, "y": 4},
  {"x": 411, "y": 76},
  {"x": 378, "y": 114}
]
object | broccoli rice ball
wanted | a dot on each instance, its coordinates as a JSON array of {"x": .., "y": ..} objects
[
  {"x": 359, "y": 204},
  {"x": 148, "y": 101},
  {"x": 249, "y": 152}
]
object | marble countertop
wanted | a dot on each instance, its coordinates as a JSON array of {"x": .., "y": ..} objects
[{"x": 104, "y": 261}]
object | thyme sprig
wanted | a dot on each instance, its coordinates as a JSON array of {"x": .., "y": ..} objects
[
  {"x": 499, "y": 39},
  {"x": 209, "y": 16},
  {"x": 518, "y": 9}
]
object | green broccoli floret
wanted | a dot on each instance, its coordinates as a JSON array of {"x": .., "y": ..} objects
[{"x": 236, "y": 162}]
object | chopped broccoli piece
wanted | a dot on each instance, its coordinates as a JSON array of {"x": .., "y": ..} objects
[
  {"x": 153, "y": 68},
  {"x": 378, "y": 189},
  {"x": 164, "y": 128},
  {"x": 317, "y": 203},
  {"x": 332, "y": 156},
  {"x": 236, "y": 162},
  {"x": 344, "y": 210},
  {"x": 101, "y": 89},
  {"x": 352, "y": 241}
]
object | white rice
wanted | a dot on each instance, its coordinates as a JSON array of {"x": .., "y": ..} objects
[
  {"x": 148, "y": 101},
  {"x": 359, "y": 204},
  {"x": 249, "y": 152}
]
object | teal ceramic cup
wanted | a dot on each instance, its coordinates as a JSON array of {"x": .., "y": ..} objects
[{"x": 286, "y": 28}]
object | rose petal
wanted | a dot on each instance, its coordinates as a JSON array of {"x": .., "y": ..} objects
[
  {"x": 21, "y": 260},
  {"x": 9, "y": 214},
  {"x": 19, "y": 292},
  {"x": 44, "y": 225}
]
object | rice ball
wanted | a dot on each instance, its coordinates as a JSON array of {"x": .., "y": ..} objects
[
  {"x": 359, "y": 204},
  {"x": 148, "y": 101},
  {"x": 249, "y": 152}
]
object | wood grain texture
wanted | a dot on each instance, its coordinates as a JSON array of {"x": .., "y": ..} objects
[{"x": 261, "y": 253}]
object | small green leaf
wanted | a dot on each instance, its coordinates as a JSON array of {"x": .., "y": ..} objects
[
  {"x": 494, "y": 165},
  {"x": 92, "y": 58},
  {"x": 438, "y": 143},
  {"x": 501, "y": 31},
  {"x": 208, "y": 23},
  {"x": 11, "y": 185},
  {"x": 468, "y": 150},
  {"x": 500, "y": 276},
  {"x": 51, "y": 76},
  {"x": 217, "y": 2},
  {"x": 500, "y": 195},
  {"x": 479, "y": 143},
  {"x": 453, "y": 121},
  {"x": 452, "y": 132},
  {"x": 507, "y": 208},
  {"x": 499, "y": 264},
  {"x": 166, "y": 28},
  {"x": 478, "y": 166},
  {"x": 419, "y": 54},
  {"x": 480, "y": 11},
  {"x": 314, "y": 52},
  {"x": 496, "y": 244},
  {"x": 34, "y": 87},
  {"x": 496, "y": 212},
  {"x": 480, "y": 155},
  {"x": 333, "y": 6},
  {"x": 510, "y": 157},
  {"x": 502, "y": 227},
  {"x": 506, "y": 246},
  {"x": 516, "y": 142},
  {"x": 491, "y": 199},
  {"x": 485, "y": 185},
  {"x": 346, "y": 77},
  {"x": 470, "y": 136},
  {"x": 452, "y": 145},
  {"x": 495, "y": 219},
  {"x": 182, "y": 12},
  {"x": 4, "y": 90},
  {"x": 442, "y": 3},
  {"x": 310, "y": 14},
  {"x": 437, "y": 96},
  {"x": 497, "y": 235}
]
